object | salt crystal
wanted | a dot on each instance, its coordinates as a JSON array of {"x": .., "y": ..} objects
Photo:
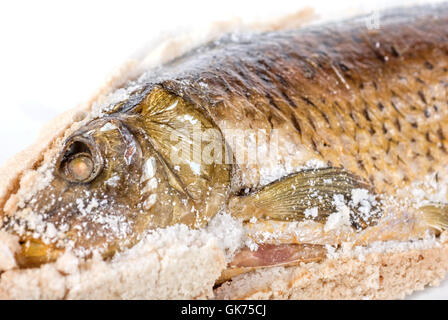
[
  {"x": 150, "y": 201},
  {"x": 358, "y": 195},
  {"x": 341, "y": 218},
  {"x": 315, "y": 164},
  {"x": 229, "y": 232},
  {"x": 253, "y": 220},
  {"x": 195, "y": 167},
  {"x": 152, "y": 184},
  {"x": 190, "y": 119},
  {"x": 112, "y": 181},
  {"x": 338, "y": 220},
  {"x": 252, "y": 245},
  {"x": 149, "y": 169},
  {"x": 312, "y": 212},
  {"x": 108, "y": 127},
  {"x": 93, "y": 204},
  {"x": 51, "y": 231}
]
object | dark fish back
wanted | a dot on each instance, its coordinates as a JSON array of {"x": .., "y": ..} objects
[{"x": 371, "y": 101}]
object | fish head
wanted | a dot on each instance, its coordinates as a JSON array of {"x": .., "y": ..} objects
[
  {"x": 92, "y": 200},
  {"x": 113, "y": 181}
]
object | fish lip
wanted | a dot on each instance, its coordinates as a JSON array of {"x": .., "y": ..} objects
[{"x": 93, "y": 150}]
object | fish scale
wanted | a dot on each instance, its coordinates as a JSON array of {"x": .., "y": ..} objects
[{"x": 355, "y": 97}]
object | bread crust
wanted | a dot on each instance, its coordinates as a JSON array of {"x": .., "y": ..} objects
[
  {"x": 176, "y": 271},
  {"x": 188, "y": 271},
  {"x": 158, "y": 268}
]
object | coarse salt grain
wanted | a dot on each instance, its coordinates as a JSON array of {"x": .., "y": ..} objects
[{"x": 312, "y": 212}]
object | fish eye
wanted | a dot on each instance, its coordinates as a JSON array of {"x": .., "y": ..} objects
[
  {"x": 79, "y": 167},
  {"x": 78, "y": 163}
]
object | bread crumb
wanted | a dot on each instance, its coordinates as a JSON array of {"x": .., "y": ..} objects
[
  {"x": 312, "y": 212},
  {"x": 229, "y": 233},
  {"x": 9, "y": 245},
  {"x": 67, "y": 263},
  {"x": 341, "y": 218}
]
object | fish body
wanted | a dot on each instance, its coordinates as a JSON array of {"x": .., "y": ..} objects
[
  {"x": 317, "y": 136},
  {"x": 370, "y": 101}
]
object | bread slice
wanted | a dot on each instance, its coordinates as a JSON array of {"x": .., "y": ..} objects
[
  {"x": 178, "y": 263},
  {"x": 378, "y": 275},
  {"x": 165, "y": 267}
]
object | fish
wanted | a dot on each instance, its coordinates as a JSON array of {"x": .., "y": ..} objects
[{"x": 323, "y": 135}]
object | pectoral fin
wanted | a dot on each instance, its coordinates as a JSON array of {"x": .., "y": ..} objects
[
  {"x": 313, "y": 194},
  {"x": 436, "y": 215}
]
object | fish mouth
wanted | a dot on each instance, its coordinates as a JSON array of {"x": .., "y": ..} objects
[
  {"x": 34, "y": 252},
  {"x": 66, "y": 227}
]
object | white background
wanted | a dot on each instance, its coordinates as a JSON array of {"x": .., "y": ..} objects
[{"x": 54, "y": 54}]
